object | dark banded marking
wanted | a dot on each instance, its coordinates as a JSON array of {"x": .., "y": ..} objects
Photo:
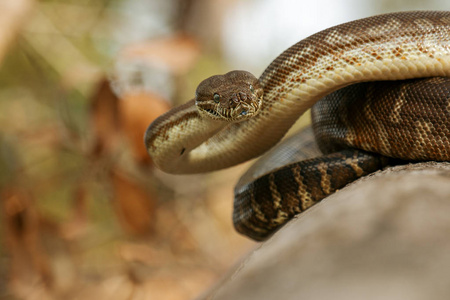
[{"x": 273, "y": 195}]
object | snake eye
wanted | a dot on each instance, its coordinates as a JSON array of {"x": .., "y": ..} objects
[
  {"x": 216, "y": 98},
  {"x": 252, "y": 89}
]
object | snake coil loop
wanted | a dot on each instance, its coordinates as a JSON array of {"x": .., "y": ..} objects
[{"x": 360, "y": 128}]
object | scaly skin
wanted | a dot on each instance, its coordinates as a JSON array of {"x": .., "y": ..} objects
[{"x": 386, "y": 47}]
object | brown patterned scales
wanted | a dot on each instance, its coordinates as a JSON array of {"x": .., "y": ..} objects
[
  {"x": 391, "y": 121},
  {"x": 406, "y": 120}
]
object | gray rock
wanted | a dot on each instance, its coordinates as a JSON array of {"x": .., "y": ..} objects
[{"x": 386, "y": 236}]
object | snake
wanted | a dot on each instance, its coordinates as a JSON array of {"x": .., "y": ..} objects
[{"x": 379, "y": 90}]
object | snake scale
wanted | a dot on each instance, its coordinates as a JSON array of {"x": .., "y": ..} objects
[{"x": 384, "y": 98}]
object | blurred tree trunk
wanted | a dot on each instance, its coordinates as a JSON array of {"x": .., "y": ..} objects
[{"x": 383, "y": 237}]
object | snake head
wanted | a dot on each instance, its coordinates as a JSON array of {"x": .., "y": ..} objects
[{"x": 234, "y": 96}]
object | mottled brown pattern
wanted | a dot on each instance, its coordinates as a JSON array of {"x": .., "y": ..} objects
[
  {"x": 373, "y": 37},
  {"x": 257, "y": 214},
  {"x": 394, "y": 46},
  {"x": 407, "y": 120}
]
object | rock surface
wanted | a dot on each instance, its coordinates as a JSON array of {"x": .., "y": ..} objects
[{"x": 386, "y": 236}]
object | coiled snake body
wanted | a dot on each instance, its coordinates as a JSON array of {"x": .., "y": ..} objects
[{"x": 359, "y": 128}]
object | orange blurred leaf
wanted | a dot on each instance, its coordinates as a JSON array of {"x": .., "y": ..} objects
[
  {"x": 137, "y": 111},
  {"x": 133, "y": 203}
]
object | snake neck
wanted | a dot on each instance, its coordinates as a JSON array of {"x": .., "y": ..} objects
[
  {"x": 175, "y": 129},
  {"x": 386, "y": 47}
]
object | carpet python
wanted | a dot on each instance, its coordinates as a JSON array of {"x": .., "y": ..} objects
[{"x": 384, "y": 98}]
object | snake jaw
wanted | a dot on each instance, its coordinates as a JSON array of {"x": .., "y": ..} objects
[{"x": 236, "y": 113}]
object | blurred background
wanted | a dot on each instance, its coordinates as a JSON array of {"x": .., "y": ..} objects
[{"x": 84, "y": 214}]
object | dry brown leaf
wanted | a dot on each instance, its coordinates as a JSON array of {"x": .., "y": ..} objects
[
  {"x": 137, "y": 111},
  {"x": 105, "y": 119},
  {"x": 133, "y": 203},
  {"x": 77, "y": 226},
  {"x": 176, "y": 53},
  {"x": 29, "y": 262}
]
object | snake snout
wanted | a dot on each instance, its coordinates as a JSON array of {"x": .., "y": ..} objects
[
  {"x": 238, "y": 98},
  {"x": 244, "y": 110}
]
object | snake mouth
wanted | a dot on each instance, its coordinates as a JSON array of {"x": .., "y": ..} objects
[
  {"x": 212, "y": 112},
  {"x": 245, "y": 111},
  {"x": 240, "y": 112}
]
